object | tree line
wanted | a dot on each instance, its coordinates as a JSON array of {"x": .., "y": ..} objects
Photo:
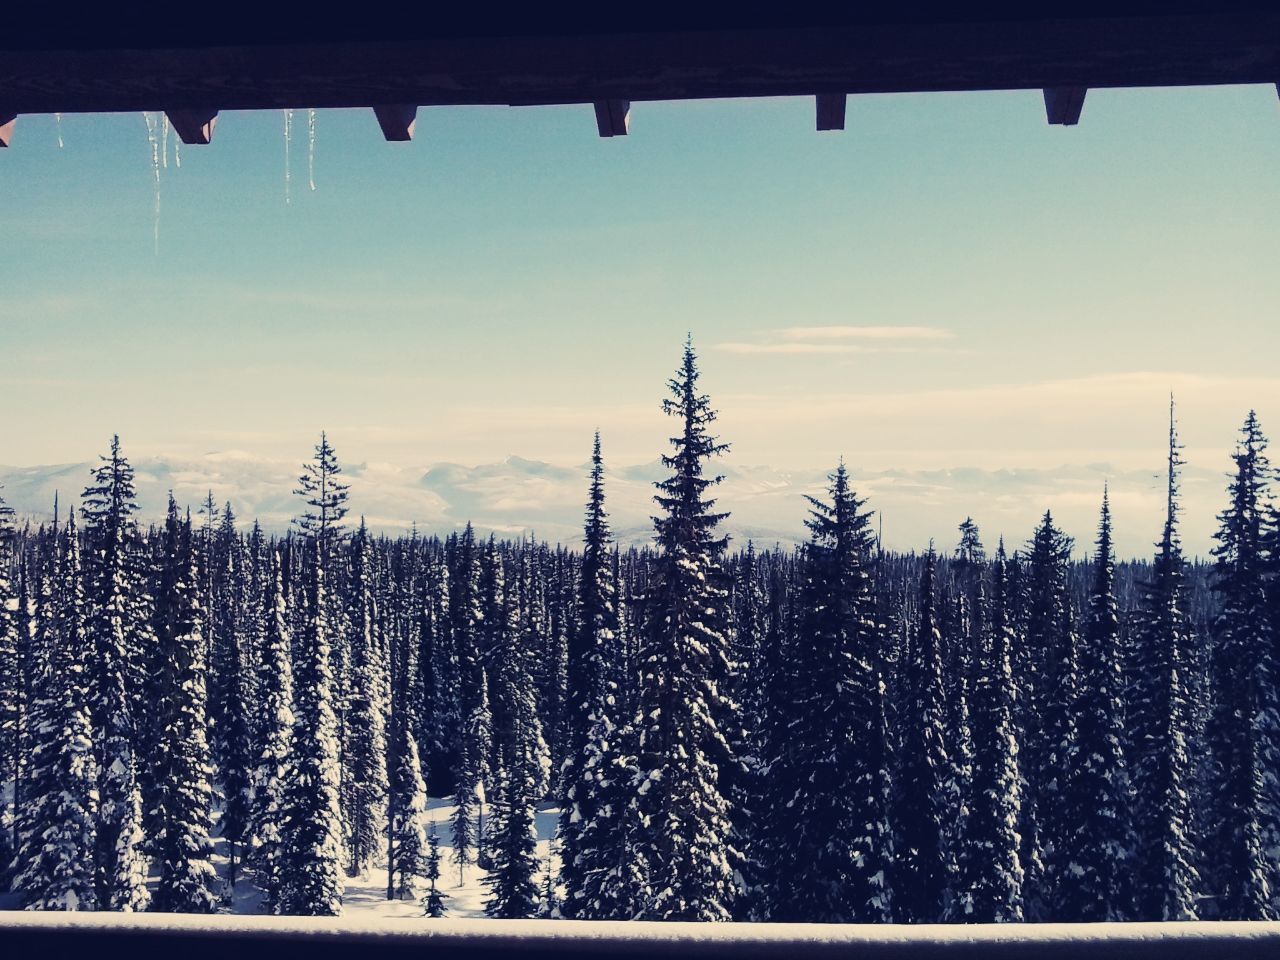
[{"x": 834, "y": 733}]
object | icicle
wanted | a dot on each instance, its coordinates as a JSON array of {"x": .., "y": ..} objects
[
  {"x": 57, "y": 120},
  {"x": 288, "y": 134},
  {"x": 164, "y": 141},
  {"x": 311, "y": 147},
  {"x": 155, "y": 173},
  {"x": 177, "y": 152}
]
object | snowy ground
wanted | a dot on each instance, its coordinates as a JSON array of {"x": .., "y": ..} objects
[{"x": 366, "y": 896}]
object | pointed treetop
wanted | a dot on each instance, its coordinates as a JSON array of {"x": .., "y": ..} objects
[
  {"x": 324, "y": 495},
  {"x": 596, "y": 532}
]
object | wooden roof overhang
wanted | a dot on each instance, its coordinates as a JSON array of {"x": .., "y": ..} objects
[{"x": 117, "y": 61}]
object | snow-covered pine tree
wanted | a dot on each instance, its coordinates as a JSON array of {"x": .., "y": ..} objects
[
  {"x": 1093, "y": 885},
  {"x": 992, "y": 885},
  {"x": 118, "y": 627},
  {"x": 493, "y": 638},
  {"x": 745, "y": 783},
  {"x": 473, "y": 771},
  {"x": 591, "y": 705},
  {"x": 600, "y": 872},
  {"x": 312, "y": 851},
  {"x": 466, "y": 615},
  {"x": 549, "y": 907},
  {"x": 433, "y": 903},
  {"x": 440, "y": 722},
  {"x": 312, "y": 844},
  {"x": 828, "y": 834},
  {"x": 961, "y": 620},
  {"x": 540, "y": 648},
  {"x": 559, "y": 623},
  {"x": 275, "y": 741},
  {"x": 407, "y": 793},
  {"x": 232, "y": 692},
  {"x": 1047, "y": 676},
  {"x": 26, "y": 620},
  {"x": 365, "y": 753},
  {"x": 1244, "y": 733},
  {"x": 512, "y": 877},
  {"x": 56, "y": 856},
  {"x": 684, "y": 705},
  {"x": 407, "y": 814},
  {"x": 13, "y": 692},
  {"x": 564, "y": 622},
  {"x": 184, "y": 849},
  {"x": 923, "y": 874},
  {"x": 964, "y": 626},
  {"x": 1165, "y": 880}
]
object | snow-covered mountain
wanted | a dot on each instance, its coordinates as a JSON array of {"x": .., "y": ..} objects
[{"x": 517, "y": 496}]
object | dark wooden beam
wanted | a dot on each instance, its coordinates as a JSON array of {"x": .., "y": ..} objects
[
  {"x": 397, "y": 120},
  {"x": 830, "y": 108},
  {"x": 1063, "y": 104},
  {"x": 961, "y": 50},
  {"x": 613, "y": 117},
  {"x": 193, "y": 126},
  {"x": 7, "y": 122}
]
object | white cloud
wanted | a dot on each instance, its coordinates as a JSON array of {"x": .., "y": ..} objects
[
  {"x": 866, "y": 333},
  {"x": 827, "y": 340},
  {"x": 793, "y": 348}
]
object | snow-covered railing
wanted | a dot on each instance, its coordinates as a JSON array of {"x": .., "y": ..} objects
[{"x": 43, "y": 936}]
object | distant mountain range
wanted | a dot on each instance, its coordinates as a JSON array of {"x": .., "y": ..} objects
[{"x": 516, "y": 496}]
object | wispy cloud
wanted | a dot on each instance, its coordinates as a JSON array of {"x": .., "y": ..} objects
[
  {"x": 866, "y": 333},
  {"x": 834, "y": 340},
  {"x": 794, "y": 348}
]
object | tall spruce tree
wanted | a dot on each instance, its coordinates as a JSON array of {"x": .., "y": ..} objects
[
  {"x": 312, "y": 851},
  {"x": 231, "y": 694},
  {"x": 184, "y": 849},
  {"x": 118, "y": 625},
  {"x": 14, "y": 698},
  {"x": 406, "y": 822},
  {"x": 993, "y": 872},
  {"x": 924, "y": 871},
  {"x": 366, "y": 731},
  {"x": 440, "y": 720},
  {"x": 1165, "y": 879},
  {"x": 473, "y": 771},
  {"x": 600, "y": 876},
  {"x": 56, "y": 855},
  {"x": 312, "y": 844},
  {"x": 592, "y": 707},
  {"x": 1244, "y": 871},
  {"x": 829, "y": 836},
  {"x": 512, "y": 876},
  {"x": 1094, "y": 884},
  {"x": 466, "y": 614},
  {"x": 1048, "y": 677},
  {"x": 407, "y": 792},
  {"x": 433, "y": 902},
  {"x": 274, "y": 741},
  {"x": 684, "y": 668}
]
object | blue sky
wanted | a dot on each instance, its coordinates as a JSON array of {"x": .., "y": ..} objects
[{"x": 509, "y": 281}]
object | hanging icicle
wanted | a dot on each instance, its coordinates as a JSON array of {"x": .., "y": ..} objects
[
  {"x": 150, "y": 120},
  {"x": 177, "y": 152},
  {"x": 311, "y": 147},
  {"x": 57, "y": 120},
  {"x": 164, "y": 140},
  {"x": 288, "y": 135}
]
